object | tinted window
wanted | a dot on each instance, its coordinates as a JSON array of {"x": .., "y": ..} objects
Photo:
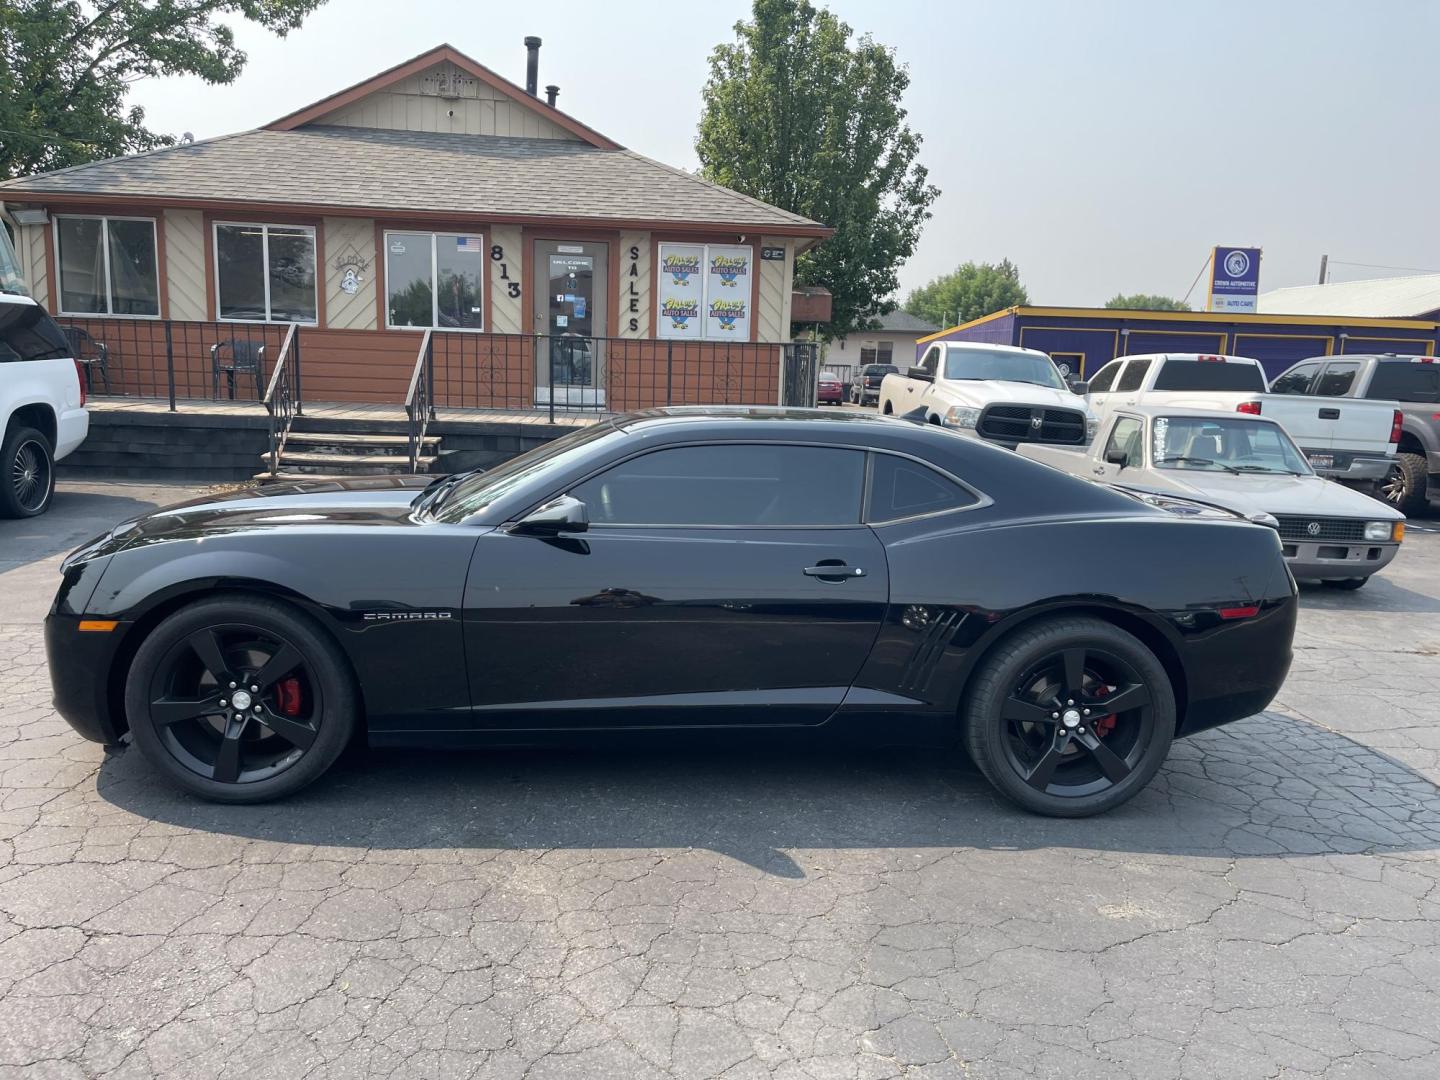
[
  {"x": 729, "y": 485},
  {"x": 1296, "y": 381},
  {"x": 1405, "y": 381},
  {"x": 1210, "y": 375},
  {"x": 900, "y": 488},
  {"x": 1337, "y": 380},
  {"x": 1126, "y": 436},
  {"x": 1104, "y": 378},
  {"x": 1134, "y": 375},
  {"x": 27, "y": 333}
]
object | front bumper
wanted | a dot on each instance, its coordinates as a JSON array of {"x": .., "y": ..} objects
[
  {"x": 1321, "y": 559},
  {"x": 79, "y": 664}
]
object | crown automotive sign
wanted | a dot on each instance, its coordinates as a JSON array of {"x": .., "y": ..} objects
[{"x": 1234, "y": 279}]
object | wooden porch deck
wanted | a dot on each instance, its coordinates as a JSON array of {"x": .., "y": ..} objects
[{"x": 347, "y": 412}]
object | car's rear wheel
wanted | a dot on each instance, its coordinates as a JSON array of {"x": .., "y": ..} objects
[
  {"x": 1404, "y": 488},
  {"x": 27, "y": 474},
  {"x": 1069, "y": 718},
  {"x": 240, "y": 700}
]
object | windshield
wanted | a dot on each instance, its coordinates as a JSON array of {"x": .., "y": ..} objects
[
  {"x": 1007, "y": 366},
  {"x": 1220, "y": 444},
  {"x": 472, "y": 492}
]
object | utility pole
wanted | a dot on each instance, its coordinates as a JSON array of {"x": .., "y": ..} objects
[{"x": 1323, "y": 260}]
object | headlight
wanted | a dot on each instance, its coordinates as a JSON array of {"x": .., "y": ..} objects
[
  {"x": 1091, "y": 426},
  {"x": 958, "y": 416},
  {"x": 1377, "y": 530},
  {"x": 1269, "y": 520}
]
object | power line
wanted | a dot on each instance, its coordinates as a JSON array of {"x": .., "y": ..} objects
[{"x": 1382, "y": 266}]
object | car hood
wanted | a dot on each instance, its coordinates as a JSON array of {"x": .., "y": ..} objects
[
  {"x": 363, "y": 501},
  {"x": 1259, "y": 493},
  {"x": 992, "y": 391}
]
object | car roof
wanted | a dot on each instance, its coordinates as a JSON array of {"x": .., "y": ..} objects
[
  {"x": 763, "y": 417},
  {"x": 981, "y": 346},
  {"x": 1152, "y": 411},
  {"x": 16, "y": 298},
  {"x": 1223, "y": 358}
]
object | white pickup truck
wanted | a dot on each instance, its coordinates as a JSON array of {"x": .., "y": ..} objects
[
  {"x": 42, "y": 405},
  {"x": 997, "y": 393},
  {"x": 1348, "y": 440}
]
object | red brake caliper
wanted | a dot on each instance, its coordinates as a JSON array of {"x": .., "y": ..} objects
[
  {"x": 1105, "y": 724},
  {"x": 287, "y": 696}
]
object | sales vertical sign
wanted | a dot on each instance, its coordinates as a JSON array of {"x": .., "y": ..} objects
[{"x": 1234, "y": 279}]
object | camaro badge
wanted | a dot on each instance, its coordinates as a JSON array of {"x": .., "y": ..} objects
[{"x": 404, "y": 616}]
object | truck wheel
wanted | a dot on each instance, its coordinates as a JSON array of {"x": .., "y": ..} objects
[
  {"x": 27, "y": 474},
  {"x": 1404, "y": 488}
]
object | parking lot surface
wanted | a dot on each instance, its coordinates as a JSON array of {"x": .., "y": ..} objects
[{"x": 1269, "y": 907}]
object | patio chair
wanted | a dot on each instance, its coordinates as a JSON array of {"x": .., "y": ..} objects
[
  {"x": 246, "y": 358},
  {"x": 92, "y": 355}
]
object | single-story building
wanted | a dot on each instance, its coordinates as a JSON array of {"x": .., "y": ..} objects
[
  {"x": 894, "y": 336},
  {"x": 1082, "y": 339},
  {"x": 436, "y": 206}
]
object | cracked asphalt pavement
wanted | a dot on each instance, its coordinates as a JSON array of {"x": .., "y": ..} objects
[{"x": 1269, "y": 908}]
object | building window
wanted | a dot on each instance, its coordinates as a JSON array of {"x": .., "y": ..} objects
[
  {"x": 704, "y": 292},
  {"x": 108, "y": 266},
  {"x": 265, "y": 273},
  {"x": 877, "y": 352},
  {"x": 434, "y": 280}
]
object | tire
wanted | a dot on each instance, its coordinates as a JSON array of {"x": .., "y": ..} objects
[
  {"x": 1068, "y": 767},
  {"x": 287, "y": 735},
  {"x": 27, "y": 474},
  {"x": 1349, "y": 584},
  {"x": 1404, "y": 488}
]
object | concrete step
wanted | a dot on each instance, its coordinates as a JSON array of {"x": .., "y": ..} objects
[{"x": 352, "y": 463}]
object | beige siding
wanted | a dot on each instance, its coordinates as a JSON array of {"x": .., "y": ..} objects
[
  {"x": 776, "y": 278},
  {"x": 185, "y": 267},
  {"x": 445, "y": 99},
  {"x": 349, "y": 245},
  {"x": 505, "y": 310},
  {"x": 30, "y": 250},
  {"x": 635, "y": 284}
]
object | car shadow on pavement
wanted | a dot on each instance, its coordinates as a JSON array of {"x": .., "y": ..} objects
[
  {"x": 1267, "y": 786},
  {"x": 73, "y": 518},
  {"x": 1379, "y": 594}
]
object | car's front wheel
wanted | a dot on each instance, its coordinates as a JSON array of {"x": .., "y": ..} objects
[
  {"x": 27, "y": 483},
  {"x": 240, "y": 700},
  {"x": 1070, "y": 717}
]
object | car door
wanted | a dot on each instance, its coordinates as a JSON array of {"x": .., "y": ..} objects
[
  {"x": 1127, "y": 386},
  {"x": 717, "y": 584},
  {"x": 1127, "y": 434},
  {"x": 1101, "y": 387},
  {"x": 917, "y": 392},
  {"x": 1337, "y": 430}
]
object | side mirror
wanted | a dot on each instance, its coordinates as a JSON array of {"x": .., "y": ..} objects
[
  {"x": 562, "y": 515},
  {"x": 1116, "y": 456},
  {"x": 1080, "y": 386},
  {"x": 921, "y": 374}
]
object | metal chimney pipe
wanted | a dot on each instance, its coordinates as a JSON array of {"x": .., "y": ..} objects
[
  {"x": 551, "y": 93},
  {"x": 532, "y": 66}
]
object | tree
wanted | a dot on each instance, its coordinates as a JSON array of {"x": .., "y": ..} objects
[
  {"x": 66, "y": 68},
  {"x": 1146, "y": 302},
  {"x": 968, "y": 292},
  {"x": 796, "y": 115}
]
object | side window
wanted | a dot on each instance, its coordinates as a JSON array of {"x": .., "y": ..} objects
[
  {"x": 1296, "y": 381},
  {"x": 1105, "y": 377},
  {"x": 1403, "y": 380},
  {"x": 932, "y": 360},
  {"x": 27, "y": 333},
  {"x": 729, "y": 484},
  {"x": 1134, "y": 375},
  {"x": 900, "y": 488},
  {"x": 1126, "y": 436},
  {"x": 1338, "y": 379}
]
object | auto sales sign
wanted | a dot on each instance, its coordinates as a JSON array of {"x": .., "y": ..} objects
[{"x": 1234, "y": 279}]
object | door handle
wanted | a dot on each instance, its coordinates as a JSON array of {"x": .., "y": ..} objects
[
  {"x": 1099, "y": 470},
  {"x": 837, "y": 571},
  {"x": 1329, "y": 414}
]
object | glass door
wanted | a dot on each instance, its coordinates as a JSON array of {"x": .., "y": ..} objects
[{"x": 570, "y": 315}]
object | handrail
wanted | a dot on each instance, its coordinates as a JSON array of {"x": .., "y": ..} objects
[
  {"x": 282, "y": 397},
  {"x": 420, "y": 399}
]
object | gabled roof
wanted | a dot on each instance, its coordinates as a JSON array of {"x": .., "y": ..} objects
[
  {"x": 414, "y": 66},
  {"x": 1380, "y": 298},
  {"x": 413, "y": 175},
  {"x": 901, "y": 321}
]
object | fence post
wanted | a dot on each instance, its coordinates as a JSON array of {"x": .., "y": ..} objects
[
  {"x": 299, "y": 390},
  {"x": 430, "y": 371},
  {"x": 170, "y": 364},
  {"x": 550, "y": 351},
  {"x": 669, "y": 372}
]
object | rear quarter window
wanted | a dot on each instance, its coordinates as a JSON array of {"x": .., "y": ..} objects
[
  {"x": 27, "y": 333},
  {"x": 1405, "y": 381},
  {"x": 1210, "y": 375}
]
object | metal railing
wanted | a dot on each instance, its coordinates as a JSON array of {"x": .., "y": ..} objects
[
  {"x": 420, "y": 399},
  {"x": 283, "y": 396}
]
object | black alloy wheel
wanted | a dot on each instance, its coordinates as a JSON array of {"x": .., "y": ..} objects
[
  {"x": 28, "y": 479},
  {"x": 1071, "y": 717},
  {"x": 240, "y": 700}
]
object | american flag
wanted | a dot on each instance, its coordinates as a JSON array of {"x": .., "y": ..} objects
[{"x": 469, "y": 243}]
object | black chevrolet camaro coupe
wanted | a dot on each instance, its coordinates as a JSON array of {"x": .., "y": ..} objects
[{"x": 740, "y": 569}]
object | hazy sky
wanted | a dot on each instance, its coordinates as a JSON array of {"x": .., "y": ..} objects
[{"x": 1102, "y": 146}]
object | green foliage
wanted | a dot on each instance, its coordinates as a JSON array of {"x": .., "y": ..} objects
[
  {"x": 968, "y": 292},
  {"x": 796, "y": 115},
  {"x": 66, "y": 68},
  {"x": 1146, "y": 302}
]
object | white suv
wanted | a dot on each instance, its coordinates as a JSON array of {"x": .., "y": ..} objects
[{"x": 42, "y": 405}]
